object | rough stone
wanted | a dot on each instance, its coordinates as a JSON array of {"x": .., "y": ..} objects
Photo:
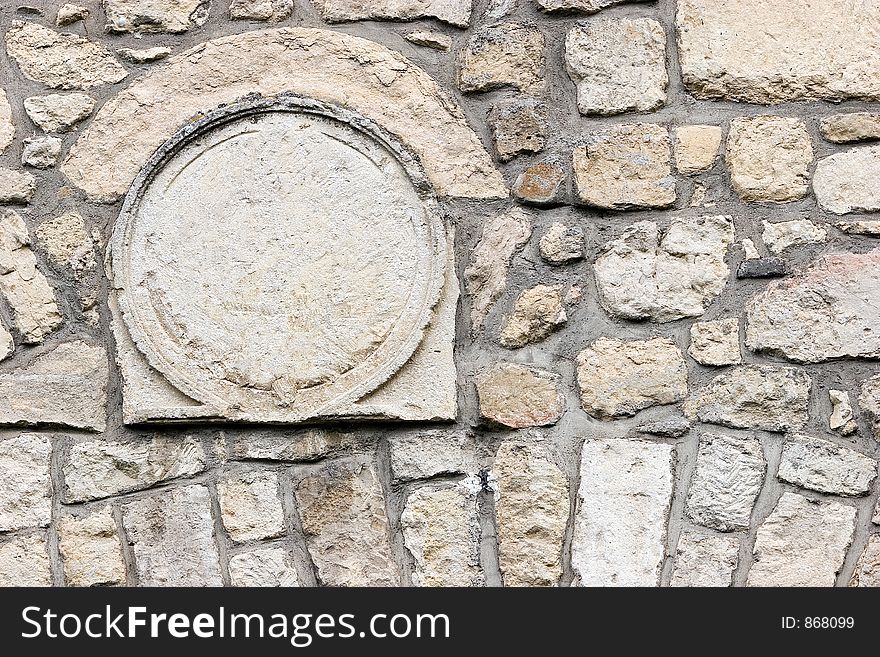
[
  {"x": 782, "y": 235},
  {"x": 769, "y": 158},
  {"x": 541, "y": 183},
  {"x": 173, "y": 16},
  {"x": 842, "y": 419},
  {"x": 516, "y": 396},
  {"x": 622, "y": 507},
  {"x": 870, "y": 228},
  {"x": 869, "y": 400},
  {"x": 716, "y": 342},
  {"x": 41, "y": 152},
  {"x": 434, "y": 40},
  {"x": 68, "y": 14},
  {"x": 843, "y": 182},
  {"x": 754, "y": 397},
  {"x": 619, "y": 378},
  {"x": 7, "y": 127},
  {"x": 585, "y": 6},
  {"x": 430, "y": 453},
  {"x": 304, "y": 446},
  {"x": 643, "y": 276},
  {"x": 7, "y": 345},
  {"x": 171, "y": 536},
  {"x": 454, "y": 12},
  {"x": 24, "y": 561},
  {"x": 95, "y": 469},
  {"x": 770, "y": 51},
  {"x": 561, "y": 244},
  {"x": 262, "y": 567},
  {"x": 91, "y": 550},
  {"x": 696, "y": 147},
  {"x": 672, "y": 427},
  {"x": 144, "y": 55},
  {"x": 867, "y": 572},
  {"x": 705, "y": 560},
  {"x": 729, "y": 474},
  {"x": 750, "y": 251},
  {"x": 441, "y": 530},
  {"x": 826, "y": 467},
  {"x": 518, "y": 126},
  {"x": 829, "y": 310},
  {"x": 67, "y": 243},
  {"x": 260, "y": 10},
  {"x": 531, "y": 515},
  {"x": 802, "y": 543},
  {"x": 502, "y": 55},
  {"x": 848, "y": 128},
  {"x": 343, "y": 516},
  {"x": 537, "y": 312},
  {"x": 26, "y": 489},
  {"x": 61, "y": 61},
  {"x": 16, "y": 186},
  {"x": 771, "y": 267},
  {"x": 57, "y": 112},
  {"x": 486, "y": 276},
  {"x": 617, "y": 64},
  {"x": 876, "y": 518},
  {"x": 250, "y": 506},
  {"x": 625, "y": 167}
]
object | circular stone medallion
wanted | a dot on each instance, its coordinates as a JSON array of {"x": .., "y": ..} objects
[{"x": 275, "y": 260}]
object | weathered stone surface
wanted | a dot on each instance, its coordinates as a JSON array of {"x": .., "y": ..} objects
[
  {"x": 619, "y": 378},
  {"x": 333, "y": 67},
  {"x": 68, "y": 14},
  {"x": 585, "y": 6},
  {"x": 430, "y": 453},
  {"x": 696, "y": 147},
  {"x": 754, "y": 397},
  {"x": 250, "y": 506},
  {"x": 94, "y": 469},
  {"x": 869, "y": 400},
  {"x": 144, "y": 55},
  {"x": 16, "y": 186},
  {"x": 61, "y": 61},
  {"x": 769, "y": 51},
  {"x": 870, "y": 228},
  {"x": 531, "y": 515},
  {"x": 750, "y": 251},
  {"x": 7, "y": 127},
  {"x": 24, "y": 286},
  {"x": 705, "y": 560},
  {"x": 171, "y": 536},
  {"x": 769, "y": 158},
  {"x": 26, "y": 489},
  {"x": 867, "y": 572},
  {"x": 625, "y": 167},
  {"x": 826, "y": 467},
  {"x": 541, "y": 183},
  {"x": 561, "y": 244},
  {"x": 842, "y": 419},
  {"x": 716, "y": 342},
  {"x": 41, "y": 152},
  {"x": 262, "y": 567},
  {"x": 502, "y": 55},
  {"x": 343, "y": 516},
  {"x": 518, "y": 126},
  {"x": 729, "y": 475},
  {"x": 7, "y": 346},
  {"x": 516, "y": 396},
  {"x": 876, "y": 518},
  {"x": 67, "y": 243},
  {"x": 302, "y": 446},
  {"x": 66, "y": 386},
  {"x": 671, "y": 427},
  {"x": 802, "y": 543},
  {"x": 173, "y": 16},
  {"x": 782, "y": 235},
  {"x": 455, "y": 12},
  {"x": 622, "y": 507},
  {"x": 643, "y": 276},
  {"x": 441, "y": 530},
  {"x": 91, "y": 550},
  {"x": 829, "y": 310},
  {"x": 537, "y": 312},
  {"x": 59, "y": 112},
  {"x": 486, "y": 276},
  {"x": 435, "y": 40},
  {"x": 771, "y": 267},
  {"x": 260, "y": 10},
  {"x": 24, "y": 561},
  {"x": 617, "y": 64},
  {"x": 848, "y": 128},
  {"x": 843, "y": 182}
]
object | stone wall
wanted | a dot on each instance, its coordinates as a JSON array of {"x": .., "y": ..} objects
[{"x": 646, "y": 353}]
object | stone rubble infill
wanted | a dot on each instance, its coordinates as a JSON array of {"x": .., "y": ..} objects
[
  {"x": 68, "y": 14},
  {"x": 7, "y": 127},
  {"x": 729, "y": 475},
  {"x": 16, "y": 186},
  {"x": 802, "y": 543},
  {"x": 502, "y": 55},
  {"x": 869, "y": 400},
  {"x": 143, "y": 56},
  {"x": 173, "y": 16},
  {"x": 623, "y": 502},
  {"x": 705, "y": 559},
  {"x": 561, "y": 244},
  {"x": 531, "y": 515},
  {"x": 672, "y": 427},
  {"x": 7, "y": 345},
  {"x": 754, "y": 397},
  {"x": 250, "y": 506},
  {"x": 24, "y": 561},
  {"x": 262, "y": 567},
  {"x": 172, "y": 537},
  {"x": 867, "y": 572},
  {"x": 66, "y": 242},
  {"x": 537, "y": 312},
  {"x": 342, "y": 508},
  {"x": 91, "y": 550},
  {"x": 771, "y": 267},
  {"x": 454, "y": 12},
  {"x": 696, "y": 147},
  {"x": 541, "y": 183},
  {"x": 518, "y": 126},
  {"x": 96, "y": 469},
  {"x": 26, "y": 489},
  {"x": 260, "y": 10},
  {"x": 41, "y": 152},
  {"x": 848, "y": 128},
  {"x": 435, "y": 40},
  {"x": 784, "y": 234},
  {"x": 516, "y": 396},
  {"x": 869, "y": 228},
  {"x": 584, "y": 6},
  {"x": 824, "y": 466},
  {"x": 843, "y": 182},
  {"x": 716, "y": 342},
  {"x": 842, "y": 419},
  {"x": 441, "y": 530},
  {"x": 58, "y": 112},
  {"x": 430, "y": 453},
  {"x": 302, "y": 446}
]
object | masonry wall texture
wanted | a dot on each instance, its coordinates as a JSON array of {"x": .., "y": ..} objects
[{"x": 466, "y": 293}]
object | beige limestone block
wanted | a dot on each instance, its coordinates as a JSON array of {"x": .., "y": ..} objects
[{"x": 517, "y": 396}]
